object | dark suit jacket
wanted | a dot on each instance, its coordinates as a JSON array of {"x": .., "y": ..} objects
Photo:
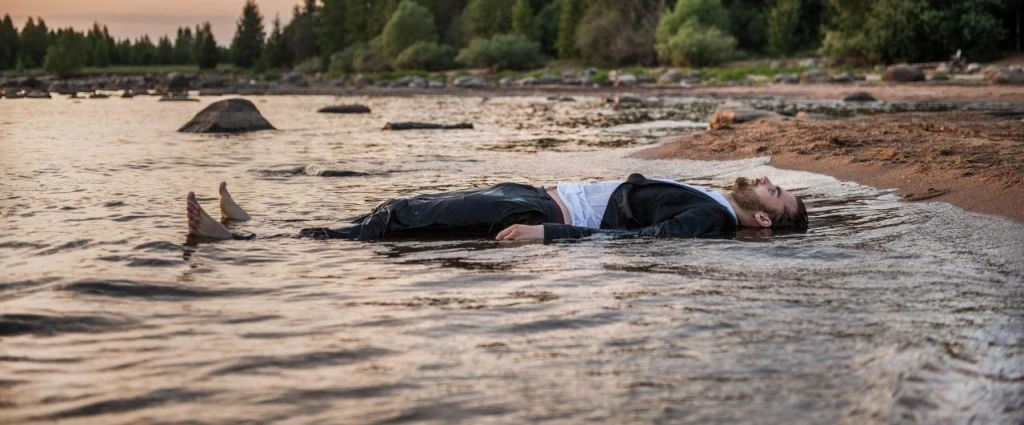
[{"x": 641, "y": 207}]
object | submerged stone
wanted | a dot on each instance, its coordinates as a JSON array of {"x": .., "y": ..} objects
[
  {"x": 228, "y": 116},
  {"x": 345, "y": 109},
  {"x": 397, "y": 126},
  {"x": 860, "y": 96}
]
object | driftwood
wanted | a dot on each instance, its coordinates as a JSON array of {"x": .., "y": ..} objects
[
  {"x": 397, "y": 126},
  {"x": 345, "y": 109}
]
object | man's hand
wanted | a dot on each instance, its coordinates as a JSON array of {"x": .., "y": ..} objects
[{"x": 521, "y": 232}]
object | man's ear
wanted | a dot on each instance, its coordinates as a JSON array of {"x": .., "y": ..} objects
[{"x": 762, "y": 219}]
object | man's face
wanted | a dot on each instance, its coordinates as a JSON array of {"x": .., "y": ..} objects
[{"x": 761, "y": 194}]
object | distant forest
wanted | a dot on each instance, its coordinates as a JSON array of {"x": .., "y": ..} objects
[{"x": 433, "y": 35}]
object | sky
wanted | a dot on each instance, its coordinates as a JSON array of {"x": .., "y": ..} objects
[{"x": 134, "y": 18}]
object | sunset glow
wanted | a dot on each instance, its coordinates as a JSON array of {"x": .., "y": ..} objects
[{"x": 134, "y": 18}]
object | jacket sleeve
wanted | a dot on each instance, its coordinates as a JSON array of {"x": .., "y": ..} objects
[{"x": 694, "y": 223}]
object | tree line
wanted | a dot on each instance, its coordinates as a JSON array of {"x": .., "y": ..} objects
[{"x": 382, "y": 35}]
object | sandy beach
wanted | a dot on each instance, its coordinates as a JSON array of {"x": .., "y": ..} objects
[{"x": 974, "y": 160}]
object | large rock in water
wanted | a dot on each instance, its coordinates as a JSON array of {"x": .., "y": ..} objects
[
  {"x": 903, "y": 74},
  {"x": 228, "y": 116}
]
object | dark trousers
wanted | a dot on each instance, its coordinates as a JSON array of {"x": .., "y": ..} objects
[{"x": 471, "y": 213}]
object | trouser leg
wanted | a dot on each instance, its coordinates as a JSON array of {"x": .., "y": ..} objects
[{"x": 471, "y": 213}]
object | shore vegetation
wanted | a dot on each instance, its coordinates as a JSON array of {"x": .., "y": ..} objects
[{"x": 430, "y": 35}]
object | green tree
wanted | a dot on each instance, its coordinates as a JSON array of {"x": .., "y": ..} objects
[
  {"x": 486, "y": 18},
  {"x": 331, "y": 29},
  {"x": 35, "y": 40},
  {"x": 164, "y": 51},
  {"x": 9, "y": 43},
  {"x": 546, "y": 27},
  {"x": 143, "y": 52},
  {"x": 410, "y": 24},
  {"x": 617, "y": 32},
  {"x": 783, "y": 22},
  {"x": 301, "y": 32},
  {"x": 378, "y": 14},
  {"x": 277, "y": 54},
  {"x": 447, "y": 15},
  {"x": 522, "y": 19},
  {"x": 426, "y": 56},
  {"x": 184, "y": 44},
  {"x": 684, "y": 34},
  {"x": 207, "y": 54},
  {"x": 355, "y": 21},
  {"x": 609, "y": 36},
  {"x": 568, "y": 21},
  {"x": 748, "y": 22},
  {"x": 247, "y": 46},
  {"x": 697, "y": 45},
  {"x": 503, "y": 51},
  {"x": 124, "y": 52},
  {"x": 62, "y": 58}
]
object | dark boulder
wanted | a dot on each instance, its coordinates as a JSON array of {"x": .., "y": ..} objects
[
  {"x": 177, "y": 83},
  {"x": 860, "y": 96},
  {"x": 345, "y": 109},
  {"x": 397, "y": 126},
  {"x": 228, "y": 116},
  {"x": 902, "y": 74}
]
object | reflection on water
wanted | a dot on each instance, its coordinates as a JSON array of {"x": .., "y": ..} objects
[{"x": 883, "y": 313}]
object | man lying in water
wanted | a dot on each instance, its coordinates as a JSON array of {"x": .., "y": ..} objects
[{"x": 636, "y": 207}]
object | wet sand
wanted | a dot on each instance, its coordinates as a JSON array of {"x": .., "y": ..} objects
[{"x": 974, "y": 160}]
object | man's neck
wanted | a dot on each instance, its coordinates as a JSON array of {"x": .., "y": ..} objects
[{"x": 744, "y": 217}]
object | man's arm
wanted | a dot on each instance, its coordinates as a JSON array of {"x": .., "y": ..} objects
[{"x": 694, "y": 223}]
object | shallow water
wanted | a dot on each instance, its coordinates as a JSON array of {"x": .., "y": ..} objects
[{"x": 884, "y": 313}]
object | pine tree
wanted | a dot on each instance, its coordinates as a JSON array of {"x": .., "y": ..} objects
[
  {"x": 247, "y": 46},
  {"x": 100, "y": 53},
  {"x": 379, "y": 13},
  {"x": 9, "y": 43},
  {"x": 568, "y": 22},
  {"x": 276, "y": 54},
  {"x": 300, "y": 34},
  {"x": 164, "y": 51},
  {"x": 124, "y": 52},
  {"x": 331, "y": 27},
  {"x": 184, "y": 44},
  {"x": 487, "y": 18},
  {"x": 207, "y": 55},
  {"x": 35, "y": 39},
  {"x": 783, "y": 22},
  {"x": 522, "y": 19},
  {"x": 143, "y": 52}
]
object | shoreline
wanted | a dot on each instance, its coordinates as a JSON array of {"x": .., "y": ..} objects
[
  {"x": 973, "y": 160},
  {"x": 954, "y": 91}
]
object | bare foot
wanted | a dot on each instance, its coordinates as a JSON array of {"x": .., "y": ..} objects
[
  {"x": 229, "y": 210},
  {"x": 201, "y": 224}
]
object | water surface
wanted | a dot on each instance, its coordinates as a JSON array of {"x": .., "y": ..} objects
[{"x": 885, "y": 312}]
